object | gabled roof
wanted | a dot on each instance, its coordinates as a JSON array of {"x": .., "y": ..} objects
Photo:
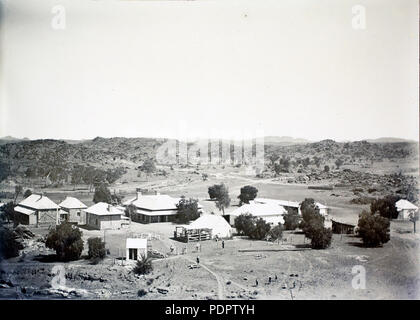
[
  {"x": 103, "y": 209},
  {"x": 285, "y": 203},
  {"x": 209, "y": 221},
  {"x": 260, "y": 209},
  {"x": 155, "y": 202},
  {"x": 404, "y": 204},
  {"x": 24, "y": 210},
  {"x": 72, "y": 203},
  {"x": 38, "y": 202},
  {"x": 136, "y": 243}
]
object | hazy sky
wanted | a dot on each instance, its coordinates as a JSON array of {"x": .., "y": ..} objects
[{"x": 209, "y": 68}]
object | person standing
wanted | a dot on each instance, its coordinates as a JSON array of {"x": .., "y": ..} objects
[
  {"x": 198, "y": 260},
  {"x": 223, "y": 244}
]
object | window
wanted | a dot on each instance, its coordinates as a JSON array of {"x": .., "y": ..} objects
[{"x": 78, "y": 213}]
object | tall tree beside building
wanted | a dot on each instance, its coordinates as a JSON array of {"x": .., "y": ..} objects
[
  {"x": 223, "y": 198},
  {"x": 187, "y": 210},
  {"x": 102, "y": 194}
]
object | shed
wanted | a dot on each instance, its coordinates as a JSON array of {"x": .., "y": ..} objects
[
  {"x": 342, "y": 227},
  {"x": 135, "y": 248},
  {"x": 207, "y": 227},
  {"x": 405, "y": 208}
]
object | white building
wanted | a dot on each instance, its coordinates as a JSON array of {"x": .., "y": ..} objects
[
  {"x": 37, "y": 209},
  {"x": 405, "y": 208},
  {"x": 154, "y": 208},
  {"x": 135, "y": 248},
  {"x": 271, "y": 212},
  {"x": 103, "y": 216},
  {"x": 74, "y": 209},
  {"x": 218, "y": 225}
]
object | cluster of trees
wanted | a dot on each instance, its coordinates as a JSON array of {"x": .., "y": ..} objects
[
  {"x": 253, "y": 227},
  {"x": 103, "y": 194},
  {"x": 187, "y": 210},
  {"x": 220, "y": 193},
  {"x": 312, "y": 225},
  {"x": 67, "y": 242},
  {"x": 373, "y": 228},
  {"x": 291, "y": 219},
  {"x": 93, "y": 176}
]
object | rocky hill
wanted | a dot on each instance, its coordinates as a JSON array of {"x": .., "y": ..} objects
[{"x": 59, "y": 161}]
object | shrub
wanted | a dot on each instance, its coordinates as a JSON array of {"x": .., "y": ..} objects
[
  {"x": 276, "y": 233},
  {"x": 254, "y": 228},
  {"x": 291, "y": 220},
  {"x": 9, "y": 246},
  {"x": 102, "y": 194},
  {"x": 66, "y": 240},
  {"x": 143, "y": 266},
  {"x": 373, "y": 229},
  {"x": 96, "y": 249},
  {"x": 320, "y": 237},
  {"x": 141, "y": 293}
]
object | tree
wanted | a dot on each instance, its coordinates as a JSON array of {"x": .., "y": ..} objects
[
  {"x": 143, "y": 266},
  {"x": 214, "y": 191},
  {"x": 27, "y": 193},
  {"x": 9, "y": 211},
  {"x": 254, "y": 228},
  {"x": 373, "y": 229},
  {"x": 244, "y": 224},
  {"x": 310, "y": 214},
  {"x": 187, "y": 210},
  {"x": 247, "y": 193},
  {"x": 66, "y": 240},
  {"x": 130, "y": 210},
  {"x": 273, "y": 158},
  {"x": 9, "y": 247},
  {"x": 148, "y": 166},
  {"x": 18, "y": 191},
  {"x": 385, "y": 207},
  {"x": 320, "y": 236},
  {"x": 204, "y": 176},
  {"x": 260, "y": 230},
  {"x": 276, "y": 232},
  {"x": 102, "y": 194},
  {"x": 96, "y": 249},
  {"x": 326, "y": 169},
  {"x": 414, "y": 217},
  {"x": 339, "y": 163},
  {"x": 291, "y": 220},
  {"x": 223, "y": 199},
  {"x": 313, "y": 225}
]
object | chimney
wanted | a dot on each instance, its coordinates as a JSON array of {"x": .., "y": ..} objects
[
  {"x": 138, "y": 195},
  {"x": 109, "y": 207}
]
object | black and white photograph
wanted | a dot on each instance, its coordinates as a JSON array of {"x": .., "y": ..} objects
[{"x": 232, "y": 150}]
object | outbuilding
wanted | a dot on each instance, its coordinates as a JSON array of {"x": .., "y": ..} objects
[
  {"x": 136, "y": 248},
  {"x": 206, "y": 227},
  {"x": 271, "y": 212},
  {"x": 405, "y": 208}
]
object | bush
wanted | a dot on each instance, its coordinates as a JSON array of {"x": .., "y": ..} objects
[
  {"x": 143, "y": 266},
  {"x": 291, "y": 220},
  {"x": 276, "y": 233},
  {"x": 141, "y": 293},
  {"x": 320, "y": 237},
  {"x": 9, "y": 247},
  {"x": 96, "y": 249},
  {"x": 102, "y": 194},
  {"x": 254, "y": 228},
  {"x": 66, "y": 240},
  {"x": 373, "y": 229}
]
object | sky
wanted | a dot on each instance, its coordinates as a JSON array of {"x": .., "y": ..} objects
[{"x": 204, "y": 68}]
